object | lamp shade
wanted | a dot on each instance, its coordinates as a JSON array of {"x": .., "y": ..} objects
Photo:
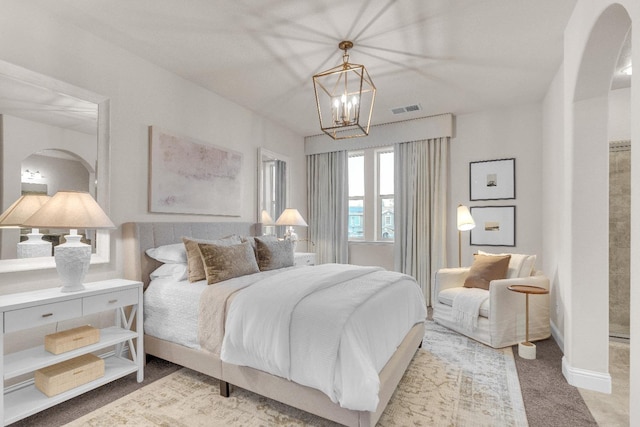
[
  {"x": 266, "y": 218},
  {"x": 465, "y": 220},
  {"x": 291, "y": 216},
  {"x": 70, "y": 209},
  {"x": 22, "y": 209}
]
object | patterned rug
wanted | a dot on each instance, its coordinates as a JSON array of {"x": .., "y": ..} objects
[{"x": 451, "y": 381}]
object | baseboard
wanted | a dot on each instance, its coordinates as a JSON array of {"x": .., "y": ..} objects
[
  {"x": 557, "y": 336},
  {"x": 590, "y": 380}
]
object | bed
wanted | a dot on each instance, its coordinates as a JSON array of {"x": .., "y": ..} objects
[{"x": 182, "y": 348}]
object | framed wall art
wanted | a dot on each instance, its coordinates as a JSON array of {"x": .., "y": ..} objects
[
  {"x": 495, "y": 226},
  {"x": 492, "y": 179},
  {"x": 187, "y": 176}
]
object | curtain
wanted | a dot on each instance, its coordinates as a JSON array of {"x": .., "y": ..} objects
[
  {"x": 421, "y": 184},
  {"x": 280, "y": 192},
  {"x": 327, "y": 189}
]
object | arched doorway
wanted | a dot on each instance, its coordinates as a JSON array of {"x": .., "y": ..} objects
[{"x": 587, "y": 196}]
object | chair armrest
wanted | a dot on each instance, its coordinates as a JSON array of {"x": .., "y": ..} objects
[{"x": 449, "y": 278}]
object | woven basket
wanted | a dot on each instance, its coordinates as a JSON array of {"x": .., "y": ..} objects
[
  {"x": 66, "y": 375},
  {"x": 68, "y": 340}
]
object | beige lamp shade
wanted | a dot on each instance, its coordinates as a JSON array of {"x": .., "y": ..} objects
[
  {"x": 22, "y": 209},
  {"x": 465, "y": 220},
  {"x": 266, "y": 218},
  {"x": 72, "y": 210},
  {"x": 291, "y": 216}
]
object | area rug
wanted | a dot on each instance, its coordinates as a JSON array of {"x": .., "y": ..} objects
[{"x": 451, "y": 381}]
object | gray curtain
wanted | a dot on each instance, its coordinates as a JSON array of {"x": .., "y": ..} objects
[
  {"x": 280, "y": 190},
  {"x": 421, "y": 184},
  {"x": 327, "y": 189}
]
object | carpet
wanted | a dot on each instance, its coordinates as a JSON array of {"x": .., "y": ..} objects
[{"x": 451, "y": 381}]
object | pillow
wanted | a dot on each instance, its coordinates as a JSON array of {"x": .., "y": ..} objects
[
  {"x": 273, "y": 254},
  {"x": 252, "y": 240},
  {"x": 169, "y": 254},
  {"x": 486, "y": 268},
  {"x": 226, "y": 262},
  {"x": 194, "y": 259},
  {"x": 520, "y": 265},
  {"x": 177, "y": 272}
]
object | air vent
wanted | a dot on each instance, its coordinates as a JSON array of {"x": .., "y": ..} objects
[{"x": 406, "y": 109}]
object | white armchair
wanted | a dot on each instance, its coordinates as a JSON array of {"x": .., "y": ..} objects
[{"x": 502, "y": 318}]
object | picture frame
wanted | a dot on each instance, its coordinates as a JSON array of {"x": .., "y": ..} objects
[
  {"x": 495, "y": 226},
  {"x": 188, "y": 176},
  {"x": 492, "y": 179}
]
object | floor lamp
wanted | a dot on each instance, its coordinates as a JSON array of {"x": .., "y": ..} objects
[{"x": 465, "y": 223}]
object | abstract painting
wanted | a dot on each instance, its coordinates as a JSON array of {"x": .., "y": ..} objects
[{"x": 187, "y": 176}]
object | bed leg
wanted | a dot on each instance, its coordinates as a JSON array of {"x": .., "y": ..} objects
[
  {"x": 224, "y": 388},
  {"x": 420, "y": 345}
]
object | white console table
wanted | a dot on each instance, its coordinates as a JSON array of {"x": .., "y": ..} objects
[{"x": 31, "y": 309}]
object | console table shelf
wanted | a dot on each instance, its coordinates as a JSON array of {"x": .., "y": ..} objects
[{"x": 30, "y": 309}]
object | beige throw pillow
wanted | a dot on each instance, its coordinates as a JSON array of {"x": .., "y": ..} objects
[
  {"x": 226, "y": 262},
  {"x": 194, "y": 259},
  {"x": 486, "y": 268},
  {"x": 273, "y": 254}
]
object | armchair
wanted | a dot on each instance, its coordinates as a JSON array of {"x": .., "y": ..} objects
[{"x": 502, "y": 318}]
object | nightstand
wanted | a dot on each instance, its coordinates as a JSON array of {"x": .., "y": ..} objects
[
  {"x": 31, "y": 309},
  {"x": 304, "y": 258}
]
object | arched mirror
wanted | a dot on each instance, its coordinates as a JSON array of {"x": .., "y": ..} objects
[
  {"x": 273, "y": 186},
  {"x": 54, "y": 136}
]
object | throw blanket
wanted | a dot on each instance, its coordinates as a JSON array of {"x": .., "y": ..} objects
[
  {"x": 313, "y": 326},
  {"x": 466, "y": 307}
]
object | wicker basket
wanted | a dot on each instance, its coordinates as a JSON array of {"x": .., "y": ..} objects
[
  {"x": 66, "y": 375},
  {"x": 68, "y": 340}
]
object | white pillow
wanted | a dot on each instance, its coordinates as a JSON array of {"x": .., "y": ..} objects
[
  {"x": 169, "y": 254},
  {"x": 520, "y": 265},
  {"x": 177, "y": 272}
]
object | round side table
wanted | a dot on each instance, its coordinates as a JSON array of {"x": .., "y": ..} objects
[{"x": 526, "y": 349}]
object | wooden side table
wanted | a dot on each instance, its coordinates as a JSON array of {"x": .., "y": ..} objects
[{"x": 526, "y": 349}]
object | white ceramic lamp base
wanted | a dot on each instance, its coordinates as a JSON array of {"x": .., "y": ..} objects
[
  {"x": 34, "y": 247},
  {"x": 292, "y": 236},
  {"x": 527, "y": 350},
  {"x": 72, "y": 262}
]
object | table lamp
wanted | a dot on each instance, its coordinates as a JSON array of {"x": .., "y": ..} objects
[
  {"x": 291, "y": 217},
  {"x": 465, "y": 223},
  {"x": 16, "y": 214},
  {"x": 73, "y": 210}
]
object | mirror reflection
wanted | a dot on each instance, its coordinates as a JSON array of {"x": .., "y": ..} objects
[
  {"x": 48, "y": 142},
  {"x": 273, "y": 177}
]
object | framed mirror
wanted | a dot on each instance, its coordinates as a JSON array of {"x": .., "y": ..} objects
[
  {"x": 273, "y": 189},
  {"x": 54, "y": 136}
]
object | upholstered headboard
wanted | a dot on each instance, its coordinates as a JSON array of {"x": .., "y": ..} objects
[{"x": 140, "y": 236}]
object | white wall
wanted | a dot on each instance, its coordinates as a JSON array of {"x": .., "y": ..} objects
[
  {"x": 514, "y": 132},
  {"x": 620, "y": 115},
  {"x": 141, "y": 94}
]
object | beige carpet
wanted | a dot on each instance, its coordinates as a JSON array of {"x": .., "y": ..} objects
[{"x": 452, "y": 381}]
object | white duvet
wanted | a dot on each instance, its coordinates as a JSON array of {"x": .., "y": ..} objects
[{"x": 332, "y": 327}]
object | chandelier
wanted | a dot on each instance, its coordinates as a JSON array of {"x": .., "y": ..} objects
[{"x": 344, "y": 97}]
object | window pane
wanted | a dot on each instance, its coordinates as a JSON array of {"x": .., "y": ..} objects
[
  {"x": 356, "y": 219},
  {"x": 356, "y": 175},
  {"x": 385, "y": 170},
  {"x": 386, "y": 218}
]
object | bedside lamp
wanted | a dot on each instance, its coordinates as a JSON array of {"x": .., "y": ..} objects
[
  {"x": 16, "y": 214},
  {"x": 465, "y": 223},
  {"x": 72, "y": 210},
  {"x": 291, "y": 217}
]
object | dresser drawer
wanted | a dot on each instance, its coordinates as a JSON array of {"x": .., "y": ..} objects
[
  {"x": 103, "y": 302},
  {"x": 31, "y": 317}
]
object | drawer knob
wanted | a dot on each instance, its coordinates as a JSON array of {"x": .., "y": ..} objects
[
  {"x": 47, "y": 315},
  {"x": 112, "y": 301}
]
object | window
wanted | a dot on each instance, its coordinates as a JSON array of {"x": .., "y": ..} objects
[{"x": 371, "y": 195}]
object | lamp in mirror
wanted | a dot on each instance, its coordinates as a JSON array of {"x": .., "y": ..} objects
[
  {"x": 290, "y": 218},
  {"x": 465, "y": 223},
  {"x": 71, "y": 210},
  {"x": 20, "y": 211}
]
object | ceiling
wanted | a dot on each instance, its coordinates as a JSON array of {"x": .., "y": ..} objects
[{"x": 455, "y": 56}]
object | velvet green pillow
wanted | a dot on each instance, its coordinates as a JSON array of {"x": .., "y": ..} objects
[
  {"x": 226, "y": 262},
  {"x": 486, "y": 268}
]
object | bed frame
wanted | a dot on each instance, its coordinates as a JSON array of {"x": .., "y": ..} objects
[{"x": 138, "y": 237}]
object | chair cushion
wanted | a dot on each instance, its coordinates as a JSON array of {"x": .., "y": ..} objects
[
  {"x": 447, "y": 296},
  {"x": 486, "y": 268},
  {"x": 520, "y": 265}
]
